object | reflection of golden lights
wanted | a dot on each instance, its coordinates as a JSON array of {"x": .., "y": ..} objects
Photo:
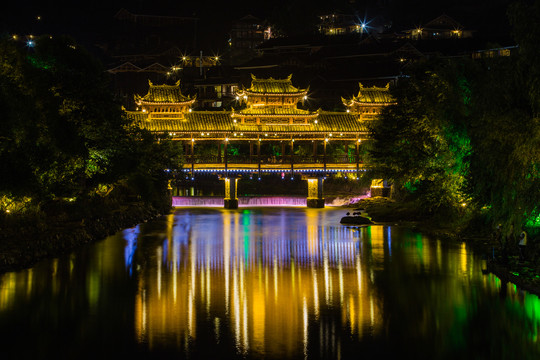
[
  {"x": 463, "y": 258},
  {"x": 272, "y": 301}
]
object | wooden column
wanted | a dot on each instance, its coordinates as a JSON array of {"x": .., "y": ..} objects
[
  {"x": 225, "y": 156},
  {"x": 292, "y": 159},
  {"x": 250, "y": 151},
  {"x": 259, "y": 156},
  {"x": 324, "y": 156},
  {"x": 192, "y": 153},
  {"x": 357, "y": 158}
]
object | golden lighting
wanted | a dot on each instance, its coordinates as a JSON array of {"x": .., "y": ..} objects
[
  {"x": 313, "y": 187},
  {"x": 269, "y": 301},
  {"x": 231, "y": 187}
]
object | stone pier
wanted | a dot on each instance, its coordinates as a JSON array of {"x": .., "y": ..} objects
[
  {"x": 231, "y": 193},
  {"x": 315, "y": 197}
]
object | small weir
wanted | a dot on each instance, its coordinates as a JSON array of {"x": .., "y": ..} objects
[
  {"x": 245, "y": 201},
  {"x": 262, "y": 201}
]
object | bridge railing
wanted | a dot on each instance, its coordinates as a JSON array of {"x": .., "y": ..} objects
[{"x": 254, "y": 159}]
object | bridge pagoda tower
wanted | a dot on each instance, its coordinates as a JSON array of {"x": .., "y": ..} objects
[
  {"x": 164, "y": 102},
  {"x": 367, "y": 105},
  {"x": 273, "y": 103},
  {"x": 369, "y": 102}
]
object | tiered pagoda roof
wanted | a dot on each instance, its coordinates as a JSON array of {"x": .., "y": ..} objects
[
  {"x": 375, "y": 96},
  {"x": 275, "y": 111},
  {"x": 164, "y": 94},
  {"x": 262, "y": 119},
  {"x": 273, "y": 86},
  {"x": 272, "y": 100}
]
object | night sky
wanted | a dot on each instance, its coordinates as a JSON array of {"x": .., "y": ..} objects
[{"x": 90, "y": 21}]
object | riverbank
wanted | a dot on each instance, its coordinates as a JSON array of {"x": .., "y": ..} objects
[
  {"x": 508, "y": 267},
  {"x": 22, "y": 247}
]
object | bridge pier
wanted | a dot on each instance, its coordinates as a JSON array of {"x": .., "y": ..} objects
[
  {"x": 315, "y": 197},
  {"x": 231, "y": 193}
]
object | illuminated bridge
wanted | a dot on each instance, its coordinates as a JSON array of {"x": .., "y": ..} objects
[{"x": 268, "y": 134}]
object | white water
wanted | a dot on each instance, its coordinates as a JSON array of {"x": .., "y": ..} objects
[{"x": 249, "y": 201}]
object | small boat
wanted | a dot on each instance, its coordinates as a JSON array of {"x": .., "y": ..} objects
[{"x": 355, "y": 220}]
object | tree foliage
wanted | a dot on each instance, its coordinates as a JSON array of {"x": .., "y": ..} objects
[
  {"x": 467, "y": 131},
  {"x": 420, "y": 143},
  {"x": 63, "y": 135}
]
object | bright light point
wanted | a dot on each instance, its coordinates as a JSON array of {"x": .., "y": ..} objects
[
  {"x": 348, "y": 110},
  {"x": 237, "y": 98},
  {"x": 30, "y": 43},
  {"x": 226, "y": 139},
  {"x": 463, "y": 204},
  {"x": 234, "y": 120},
  {"x": 315, "y": 121},
  {"x": 192, "y": 140},
  {"x": 189, "y": 110}
]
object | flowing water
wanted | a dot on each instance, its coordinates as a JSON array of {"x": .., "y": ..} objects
[{"x": 274, "y": 283}]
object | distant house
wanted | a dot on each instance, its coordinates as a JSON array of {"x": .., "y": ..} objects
[
  {"x": 340, "y": 24},
  {"x": 154, "y": 20},
  {"x": 442, "y": 27},
  {"x": 249, "y": 32},
  {"x": 215, "y": 93}
]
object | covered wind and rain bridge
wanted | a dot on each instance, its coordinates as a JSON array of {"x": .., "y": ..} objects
[{"x": 268, "y": 134}]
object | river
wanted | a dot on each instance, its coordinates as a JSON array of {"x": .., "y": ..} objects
[{"x": 274, "y": 283}]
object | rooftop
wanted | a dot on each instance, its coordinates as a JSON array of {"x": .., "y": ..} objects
[{"x": 163, "y": 94}]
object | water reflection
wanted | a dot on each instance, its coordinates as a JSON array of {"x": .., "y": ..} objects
[
  {"x": 264, "y": 278},
  {"x": 273, "y": 283}
]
